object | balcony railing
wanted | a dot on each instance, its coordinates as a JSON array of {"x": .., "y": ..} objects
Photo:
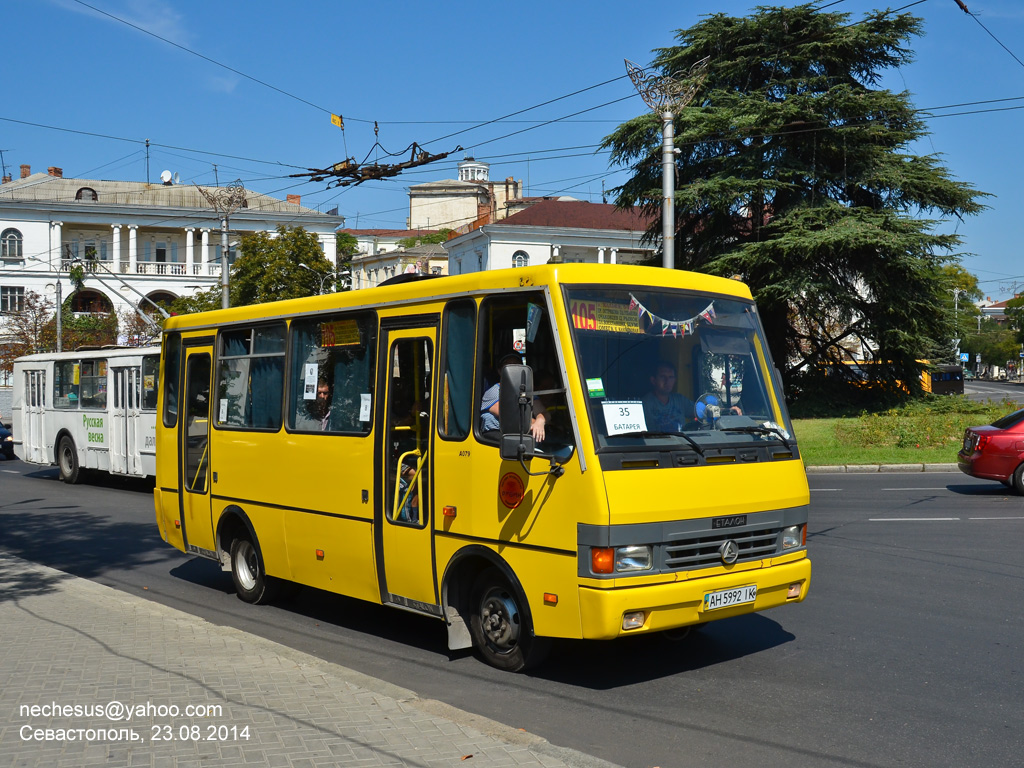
[{"x": 165, "y": 268}]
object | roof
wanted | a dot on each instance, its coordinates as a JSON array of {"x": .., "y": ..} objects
[
  {"x": 579, "y": 214},
  {"x": 399, "y": 233},
  {"x": 43, "y": 188}
]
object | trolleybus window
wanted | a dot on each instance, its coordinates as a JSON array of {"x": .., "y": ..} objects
[{"x": 172, "y": 364}]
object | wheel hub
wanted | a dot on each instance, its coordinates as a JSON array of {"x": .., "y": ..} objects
[{"x": 500, "y": 620}]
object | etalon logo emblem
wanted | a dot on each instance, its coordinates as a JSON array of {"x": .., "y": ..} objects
[{"x": 729, "y": 551}]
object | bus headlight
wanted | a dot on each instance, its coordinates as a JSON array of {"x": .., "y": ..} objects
[
  {"x": 794, "y": 536},
  {"x": 633, "y": 558}
]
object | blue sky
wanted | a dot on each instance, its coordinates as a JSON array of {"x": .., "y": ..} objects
[{"x": 83, "y": 91}]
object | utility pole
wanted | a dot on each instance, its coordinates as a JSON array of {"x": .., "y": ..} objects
[
  {"x": 666, "y": 94},
  {"x": 225, "y": 201},
  {"x": 60, "y": 325}
]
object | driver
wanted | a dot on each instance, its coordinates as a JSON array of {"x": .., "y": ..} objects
[{"x": 665, "y": 410}]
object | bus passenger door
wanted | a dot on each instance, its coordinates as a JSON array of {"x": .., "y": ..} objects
[
  {"x": 133, "y": 407},
  {"x": 194, "y": 451},
  {"x": 119, "y": 422},
  {"x": 404, "y": 542},
  {"x": 33, "y": 442}
]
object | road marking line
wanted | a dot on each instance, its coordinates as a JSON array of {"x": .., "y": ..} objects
[
  {"x": 11, "y": 471},
  {"x": 815, "y": 490},
  {"x": 996, "y": 518},
  {"x": 911, "y": 519},
  {"x": 943, "y": 488}
]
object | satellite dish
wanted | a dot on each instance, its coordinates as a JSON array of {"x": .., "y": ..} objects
[
  {"x": 165, "y": 177},
  {"x": 177, "y": 178}
]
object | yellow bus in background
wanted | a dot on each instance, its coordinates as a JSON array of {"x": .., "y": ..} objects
[{"x": 340, "y": 442}]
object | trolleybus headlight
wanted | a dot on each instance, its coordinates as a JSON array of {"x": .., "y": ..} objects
[
  {"x": 794, "y": 536},
  {"x": 633, "y": 558}
]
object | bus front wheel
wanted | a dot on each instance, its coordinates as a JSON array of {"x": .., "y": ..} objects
[
  {"x": 251, "y": 582},
  {"x": 67, "y": 460},
  {"x": 501, "y": 629}
]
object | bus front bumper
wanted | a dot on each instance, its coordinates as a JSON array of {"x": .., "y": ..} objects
[{"x": 682, "y": 603}]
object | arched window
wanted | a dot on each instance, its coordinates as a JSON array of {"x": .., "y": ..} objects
[
  {"x": 91, "y": 302},
  {"x": 520, "y": 259},
  {"x": 86, "y": 193},
  {"x": 10, "y": 245}
]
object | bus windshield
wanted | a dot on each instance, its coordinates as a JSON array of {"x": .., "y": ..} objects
[{"x": 672, "y": 369}]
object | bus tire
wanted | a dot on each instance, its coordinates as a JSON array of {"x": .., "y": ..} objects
[
  {"x": 501, "y": 630},
  {"x": 67, "y": 461},
  {"x": 251, "y": 581}
]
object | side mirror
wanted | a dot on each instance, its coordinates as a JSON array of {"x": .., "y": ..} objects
[{"x": 515, "y": 410}]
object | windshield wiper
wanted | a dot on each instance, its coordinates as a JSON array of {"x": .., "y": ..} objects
[
  {"x": 761, "y": 429},
  {"x": 693, "y": 443}
]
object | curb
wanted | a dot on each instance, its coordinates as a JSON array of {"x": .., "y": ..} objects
[{"x": 868, "y": 468}]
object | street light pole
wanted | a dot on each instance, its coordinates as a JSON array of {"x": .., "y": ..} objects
[
  {"x": 324, "y": 277},
  {"x": 225, "y": 200},
  {"x": 665, "y": 94}
]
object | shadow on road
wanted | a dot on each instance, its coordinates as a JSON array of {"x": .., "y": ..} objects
[{"x": 57, "y": 531}]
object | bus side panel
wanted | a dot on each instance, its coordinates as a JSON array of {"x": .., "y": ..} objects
[
  {"x": 165, "y": 500},
  {"x": 317, "y": 481},
  {"x": 537, "y": 537}
]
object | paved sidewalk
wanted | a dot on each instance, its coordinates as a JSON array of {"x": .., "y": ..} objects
[{"x": 66, "y": 642}]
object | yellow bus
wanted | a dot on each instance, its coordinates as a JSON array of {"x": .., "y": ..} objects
[{"x": 345, "y": 442}]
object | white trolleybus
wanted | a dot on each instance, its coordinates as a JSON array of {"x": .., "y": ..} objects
[{"x": 88, "y": 410}]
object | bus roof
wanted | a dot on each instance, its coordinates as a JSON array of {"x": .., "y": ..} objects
[{"x": 472, "y": 283}]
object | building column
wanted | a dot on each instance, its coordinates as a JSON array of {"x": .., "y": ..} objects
[
  {"x": 133, "y": 248},
  {"x": 56, "y": 244},
  {"x": 190, "y": 242},
  {"x": 329, "y": 245},
  {"x": 204, "y": 251},
  {"x": 600, "y": 255},
  {"x": 115, "y": 256},
  {"x": 615, "y": 256}
]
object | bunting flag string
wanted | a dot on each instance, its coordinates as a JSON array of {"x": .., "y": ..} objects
[{"x": 675, "y": 327}]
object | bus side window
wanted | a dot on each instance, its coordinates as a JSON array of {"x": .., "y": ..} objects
[
  {"x": 250, "y": 378},
  {"x": 337, "y": 353},
  {"x": 172, "y": 365},
  {"x": 455, "y": 419}
]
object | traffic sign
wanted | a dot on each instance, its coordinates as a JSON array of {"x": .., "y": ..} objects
[{"x": 966, "y": 356}]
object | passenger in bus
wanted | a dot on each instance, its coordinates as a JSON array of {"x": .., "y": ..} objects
[
  {"x": 317, "y": 415},
  {"x": 666, "y": 410},
  {"x": 490, "y": 422},
  {"x": 410, "y": 510}
]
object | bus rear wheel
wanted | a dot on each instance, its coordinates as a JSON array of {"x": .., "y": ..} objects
[
  {"x": 251, "y": 582},
  {"x": 501, "y": 629},
  {"x": 67, "y": 461}
]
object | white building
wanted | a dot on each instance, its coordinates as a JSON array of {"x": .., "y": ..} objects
[
  {"x": 454, "y": 203},
  {"x": 161, "y": 241},
  {"x": 553, "y": 230}
]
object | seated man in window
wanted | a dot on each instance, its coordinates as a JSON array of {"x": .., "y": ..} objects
[
  {"x": 666, "y": 410},
  {"x": 317, "y": 413},
  {"x": 490, "y": 422}
]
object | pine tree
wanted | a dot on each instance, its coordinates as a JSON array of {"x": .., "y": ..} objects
[{"x": 795, "y": 172}]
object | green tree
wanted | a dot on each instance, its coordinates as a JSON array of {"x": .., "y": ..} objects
[
  {"x": 29, "y": 331},
  {"x": 794, "y": 173},
  {"x": 268, "y": 270},
  {"x": 435, "y": 238}
]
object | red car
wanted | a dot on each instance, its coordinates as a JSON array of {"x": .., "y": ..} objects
[{"x": 996, "y": 451}]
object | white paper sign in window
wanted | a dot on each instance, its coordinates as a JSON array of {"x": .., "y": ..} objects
[{"x": 622, "y": 416}]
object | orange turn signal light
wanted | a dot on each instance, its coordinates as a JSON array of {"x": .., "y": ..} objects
[
  {"x": 319, "y": 554},
  {"x": 177, "y": 523},
  {"x": 449, "y": 511},
  {"x": 550, "y": 598},
  {"x": 602, "y": 559}
]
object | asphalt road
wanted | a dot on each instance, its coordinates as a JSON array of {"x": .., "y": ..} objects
[{"x": 908, "y": 651}]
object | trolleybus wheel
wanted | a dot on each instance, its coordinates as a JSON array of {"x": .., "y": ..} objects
[
  {"x": 67, "y": 460},
  {"x": 251, "y": 582},
  {"x": 501, "y": 629}
]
